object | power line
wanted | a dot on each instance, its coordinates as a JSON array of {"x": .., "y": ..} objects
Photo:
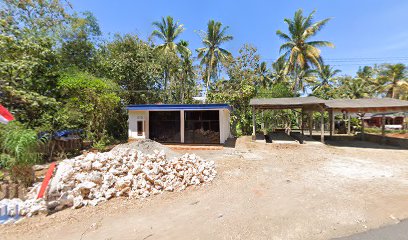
[{"x": 357, "y": 59}]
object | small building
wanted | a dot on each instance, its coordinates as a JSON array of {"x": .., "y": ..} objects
[
  {"x": 180, "y": 123},
  {"x": 392, "y": 121}
]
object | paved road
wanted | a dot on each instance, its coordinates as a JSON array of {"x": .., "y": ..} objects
[{"x": 393, "y": 232}]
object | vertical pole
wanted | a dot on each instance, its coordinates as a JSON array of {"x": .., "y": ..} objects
[
  {"x": 322, "y": 126},
  {"x": 302, "y": 122},
  {"x": 362, "y": 127},
  {"x": 348, "y": 123},
  {"x": 383, "y": 129},
  {"x": 263, "y": 121},
  {"x": 331, "y": 120},
  {"x": 182, "y": 126},
  {"x": 310, "y": 123},
  {"x": 253, "y": 124}
]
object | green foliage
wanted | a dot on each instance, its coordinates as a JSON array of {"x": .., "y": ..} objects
[
  {"x": 94, "y": 100},
  {"x": 300, "y": 52},
  {"x": 243, "y": 75},
  {"x": 18, "y": 145},
  {"x": 212, "y": 54},
  {"x": 78, "y": 48},
  {"x": 135, "y": 66}
]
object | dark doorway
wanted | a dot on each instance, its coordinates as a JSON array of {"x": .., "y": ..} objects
[
  {"x": 202, "y": 127},
  {"x": 164, "y": 126}
]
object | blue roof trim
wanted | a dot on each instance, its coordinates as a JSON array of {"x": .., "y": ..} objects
[{"x": 148, "y": 107}]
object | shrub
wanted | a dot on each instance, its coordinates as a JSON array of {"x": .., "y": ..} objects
[{"x": 19, "y": 150}]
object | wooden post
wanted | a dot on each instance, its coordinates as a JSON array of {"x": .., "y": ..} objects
[
  {"x": 322, "y": 126},
  {"x": 263, "y": 121},
  {"x": 331, "y": 122},
  {"x": 383, "y": 128},
  {"x": 348, "y": 123},
  {"x": 310, "y": 123},
  {"x": 302, "y": 122},
  {"x": 362, "y": 126},
  {"x": 253, "y": 124}
]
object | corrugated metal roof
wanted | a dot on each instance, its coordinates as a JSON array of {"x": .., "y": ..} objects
[
  {"x": 178, "y": 107},
  {"x": 295, "y": 101},
  {"x": 366, "y": 103}
]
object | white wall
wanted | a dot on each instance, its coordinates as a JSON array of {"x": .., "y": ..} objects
[
  {"x": 225, "y": 130},
  {"x": 135, "y": 116}
]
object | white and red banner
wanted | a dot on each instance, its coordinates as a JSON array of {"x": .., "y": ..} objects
[{"x": 5, "y": 115}]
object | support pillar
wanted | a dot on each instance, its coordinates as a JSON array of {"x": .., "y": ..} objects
[
  {"x": 331, "y": 122},
  {"x": 383, "y": 129},
  {"x": 302, "y": 123},
  {"x": 362, "y": 127},
  {"x": 348, "y": 123},
  {"x": 263, "y": 121},
  {"x": 322, "y": 126},
  {"x": 310, "y": 123},
  {"x": 253, "y": 124},
  {"x": 182, "y": 126}
]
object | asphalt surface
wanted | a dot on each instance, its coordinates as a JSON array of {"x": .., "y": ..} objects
[{"x": 392, "y": 232}]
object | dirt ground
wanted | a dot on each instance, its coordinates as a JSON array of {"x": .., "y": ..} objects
[
  {"x": 397, "y": 135},
  {"x": 262, "y": 191}
]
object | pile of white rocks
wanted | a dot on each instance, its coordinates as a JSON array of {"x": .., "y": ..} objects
[
  {"x": 96, "y": 177},
  {"x": 12, "y": 209}
]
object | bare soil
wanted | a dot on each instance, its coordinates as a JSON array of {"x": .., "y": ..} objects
[
  {"x": 262, "y": 191},
  {"x": 397, "y": 135}
]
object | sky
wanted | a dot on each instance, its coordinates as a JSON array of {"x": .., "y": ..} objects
[{"x": 365, "y": 32}]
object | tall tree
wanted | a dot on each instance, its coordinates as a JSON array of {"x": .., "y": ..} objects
[
  {"x": 212, "y": 53},
  {"x": 187, "y": 70},
  {"x": 278, "y": 71},
  {"x": 266, "y": 80},
  {"x": 394, "y": 81},
  {"x": 243, "y": 72},
  {"x": 168, "y": 30},
  {"x": 354, "y": 88},
  {"x": 134, "y": 65},
  {"x": 325, "y": 75},
  {"x": 299, "y": 50},
  {"x": 78, "y": 48}
]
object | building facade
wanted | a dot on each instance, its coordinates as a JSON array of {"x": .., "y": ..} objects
[{"x": 180, "y": 123}]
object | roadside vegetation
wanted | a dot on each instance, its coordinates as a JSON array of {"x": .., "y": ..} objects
[{"x": 58, "y": 71}]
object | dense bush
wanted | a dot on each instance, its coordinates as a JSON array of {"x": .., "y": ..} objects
[{"x": 19, "y": 150}]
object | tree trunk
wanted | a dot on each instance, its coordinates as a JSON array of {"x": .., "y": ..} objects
[
  {"x": 182, "y": 89},
  {"x": 295, "y": 88},
  {"x": 166, "y": 79},
  {"x": 208, "y": 82},
  {"x": 393, "y": 91}
]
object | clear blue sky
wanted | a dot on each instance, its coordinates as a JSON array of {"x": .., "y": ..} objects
[{"x": 363, "y": 29}]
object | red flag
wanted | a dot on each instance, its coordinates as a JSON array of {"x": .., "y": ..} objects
[{"x": 5, "y": 115}]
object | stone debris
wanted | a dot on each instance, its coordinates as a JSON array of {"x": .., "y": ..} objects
[{"x": 96, "y": 177}]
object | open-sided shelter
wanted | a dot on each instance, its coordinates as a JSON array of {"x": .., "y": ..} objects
[{"x": 336, "y": 106}]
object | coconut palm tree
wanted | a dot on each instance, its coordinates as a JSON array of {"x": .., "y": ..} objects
[
  {"x": 279, "y": 74},
  {"x": 299, "y": 50},
  {"x": 394, "y": 80},
  {"x": 355, "y": 88},
  {"x": 305, "y": 77},
  {"x": 187, "y": 71},
  {"x": 212, "y": 54},
  {"x": 265, "y": 76},
  {"x": 168, "y": 30},
  {"x": 325, "y": 75}
]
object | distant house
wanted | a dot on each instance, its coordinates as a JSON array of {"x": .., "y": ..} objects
[
  {"x": 392, "y": 121},
  {"x": 180, "y": 123}
]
